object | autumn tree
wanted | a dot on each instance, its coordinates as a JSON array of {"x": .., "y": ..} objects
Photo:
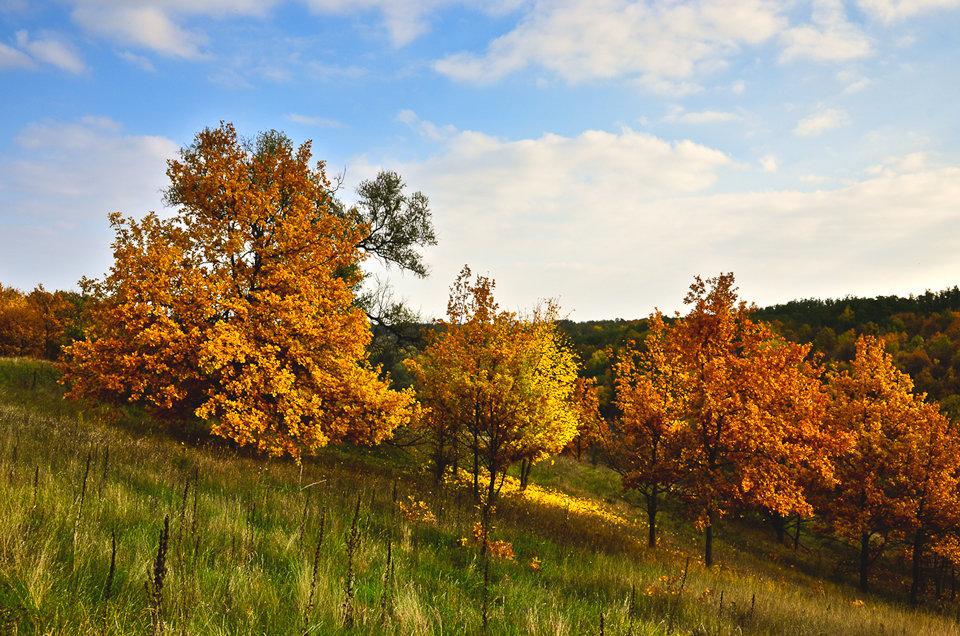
[
  {"x": 931, "y": 459},
  {"x": 899, "y": 475},
  {"x": 744, "y": 407},
  {"x": 591, "y": 427},
  {"x": 495, "y": 386},
  {"x": 35, "y": 324},
  {"x": 648, "y": 397},
  {"x": 56, "y": 313},
  {"x": 239, "y": 308},
  {"x": 18, "y": 328}
]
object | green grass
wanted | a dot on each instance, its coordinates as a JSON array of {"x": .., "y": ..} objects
[{"x": 244, "y": 532}]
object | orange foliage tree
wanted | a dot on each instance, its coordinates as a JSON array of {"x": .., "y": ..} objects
[
  {"x": 736, "y": 409},
  {"x": 239, "y": 308},
  {"x": 18, "y": 324},
  {"x": 36, "y": 324},
  {"x": 932, "y": 458},
  {"x": 899, "y": 476},
  {"x": 495, "y": 384},
  {"x": 648, "y": 396}
]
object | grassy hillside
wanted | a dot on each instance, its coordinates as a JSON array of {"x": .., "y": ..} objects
[{"x": 264, "y": 547}]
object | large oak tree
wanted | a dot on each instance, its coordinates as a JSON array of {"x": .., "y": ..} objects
[{"x": 239, "y": 308}]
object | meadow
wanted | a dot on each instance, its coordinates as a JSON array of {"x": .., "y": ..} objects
[{"x": 111, "y": 523}]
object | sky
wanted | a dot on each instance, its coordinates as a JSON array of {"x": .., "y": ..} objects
[{"x": 598, "y": 152}]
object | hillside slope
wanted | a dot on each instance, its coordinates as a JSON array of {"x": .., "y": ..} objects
[{"x": 362, "y": 537}]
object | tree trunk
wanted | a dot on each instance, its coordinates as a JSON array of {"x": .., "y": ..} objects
[
  {"x": 708, "y": 542},
  {"x": 456, "y": 460},
  {"x": 476, "y": 468},
  {"x": 487, "y": 508},
  {"x": 864, "y": 559},
  {"x": 940, "y": 566},
  {"x": 652, "y": 518},
  {"x": 525, "y": 466},
  {"x": 779, "y": 525},
  {"x": 915, "y": 584},
  {"x": 796, "y": 534},
  {"x": 439, "y": 460}
]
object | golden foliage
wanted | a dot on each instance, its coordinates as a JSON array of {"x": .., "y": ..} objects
[
  {"x": 239, "y": 308},
  {"x": 498, "y": 549},
  {"x": 494, "y": 382},
  {"x": 591, "y": 428},
  {"x": 722, "y": 411},
  {"x": 900, "y": 475},
  {"x": 416, "y": 511},
  {"x": 35, "y": 325}
]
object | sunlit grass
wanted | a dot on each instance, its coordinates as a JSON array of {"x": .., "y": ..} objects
[{"x": 244, "y": 533}]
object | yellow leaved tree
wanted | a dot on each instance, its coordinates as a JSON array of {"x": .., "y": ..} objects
[
  {"x": 497, "y": 388},
  {"x": 239, "y": 309}
]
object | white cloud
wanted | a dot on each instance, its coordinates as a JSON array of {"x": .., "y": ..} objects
[
  {"x": 89, "y": 159},
  {"x": 215, "y": 8},
  {"x": 821, "y": 122},
  {"x": 13, "y": 58},
  {"x": 144, "y": 63},
  {"x": 144, "y": 26},
  {"x": 50, "y": 50},
  {"x": 768, "y": 163},
  {"x": 669, "y": 88},
  {"x": 678, "y": 115},
  {"x": 307, "y": 120},
  {"x": 829, "y": 38},
  {"x": 893, "y": 10},
  {"x": 578, "y": 40},
  {"x": 908, "y": 164},
  {"x": 905, "y": 41},
  {"x": 155, "y": 25},
  {"x": 58, "y": 186},
  {"x": 426, "y": 129},
  {"x": 407, "y": 20},
  {"x": 549, "y": 207},
  {"x": 328, "y": 72},
  {"x": 47, "y": 49},
  {"x": 404, "y": 21},
  {"x": 857, "y": 86},
  {"x": 554, "y": 167},
  {"x": 616, "y": 223}
]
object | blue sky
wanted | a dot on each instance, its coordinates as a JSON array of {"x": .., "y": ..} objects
[{"x": 599, "y": 152}]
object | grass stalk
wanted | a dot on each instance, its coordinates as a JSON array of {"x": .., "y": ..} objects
[
  {"x": 386, "y": 597},
  {"x": 83, "y": 493},
  {"x": 155, "y": 593},
  {"x": 352, "y": 543},
  {"x": 316, "y": 565}
]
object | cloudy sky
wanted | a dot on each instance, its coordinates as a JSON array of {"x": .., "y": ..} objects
[{"x": 601, "y": 152}]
